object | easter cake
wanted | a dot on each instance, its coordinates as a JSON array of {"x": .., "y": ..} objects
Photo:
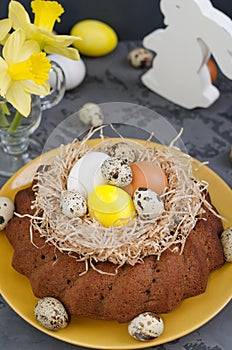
[{"x": 110, "y": 242}]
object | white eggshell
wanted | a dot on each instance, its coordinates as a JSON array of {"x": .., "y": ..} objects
[
  {"x": 74, "y": 70},
  {"x": 146, "y": 326},
  {"x": 6, "y": 211},
  {"x": 51, "y": 314},
  {"x": 148, "y": 203},
  {"x": 86, "y": 174},
  {"x": 226, "y": 240},
  {"x": 73, "y": 204}
]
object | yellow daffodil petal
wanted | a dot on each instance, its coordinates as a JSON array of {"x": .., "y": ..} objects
[
  {"x": 63, "y": 51},
  {"x": 35, "y": 68},
  {"x": 40, "y": 67},
  {"x": 28, "y": 48},
  {"x": 5, "y": 79},
  {"x": 19, "y": 98},
  {"x": 65, "y": 40},
  {"x": 48, "y": 39},
  {"x": 3, "y": 41},
  {"x": 13, "y": 46},
  {"x": 46, "y": 13},
  {"x": 3, "y": 65},
  {"x": 18, "y": 15},
  {"x": 39, "y": 31},
  {"x": 5, "y": 82},
  {"x": 31, "y": 87},
  {"x": 5, "y": 26},
  {"x": 41, "y": 35}
]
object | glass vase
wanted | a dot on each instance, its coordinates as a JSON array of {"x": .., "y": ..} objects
[{"x": 17, "y": 145}]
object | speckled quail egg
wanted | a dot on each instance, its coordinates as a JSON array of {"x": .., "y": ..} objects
[
  {"x": 73, "y": 204},
  {"x": 51, "y": 313},
  {"x": 6, "y": 211},
  {"x": 116, "y": 172},
  {"x": 140, "y": 58},
  {"x": 146, "y": 326},
  {"x": 90, "y": 113},
  {"x": 148, "y": 203},
  {"x": 123, "y": 151},
  {"x": 226, "y": 240}
]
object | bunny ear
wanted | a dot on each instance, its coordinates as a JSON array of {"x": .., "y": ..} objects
[{"x": 217, "y": 35}]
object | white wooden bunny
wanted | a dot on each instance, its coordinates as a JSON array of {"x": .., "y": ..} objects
[{"x": 194, "y": 30}]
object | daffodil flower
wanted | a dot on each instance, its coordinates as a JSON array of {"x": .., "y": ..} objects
[
  {"x": 5, "y": 27},
  {"x": 23, "y": 71},
  {"x": 46, "y": 14}
]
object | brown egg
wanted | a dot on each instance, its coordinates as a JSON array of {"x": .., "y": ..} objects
[
  {"x": 147, "y": 175},
  {"x": 212, "y": 69}
]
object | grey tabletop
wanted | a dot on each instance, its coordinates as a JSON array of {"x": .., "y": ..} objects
[{"x": 207, "y": 136}]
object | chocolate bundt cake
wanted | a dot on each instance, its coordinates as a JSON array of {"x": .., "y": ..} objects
[
  {"x": 116, "y": 273},
  {"x": 153, "y": 285}
]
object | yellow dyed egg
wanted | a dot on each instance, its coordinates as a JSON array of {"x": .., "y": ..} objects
[
  {"x": 98, "y": 38},
  {"x": 110, "y": 205}
]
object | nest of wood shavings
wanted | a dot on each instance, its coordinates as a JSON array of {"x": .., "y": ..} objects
[{"x": 87, "y": 240}]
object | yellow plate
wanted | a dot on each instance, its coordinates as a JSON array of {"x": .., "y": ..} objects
[{"x": 191, "y": 314}]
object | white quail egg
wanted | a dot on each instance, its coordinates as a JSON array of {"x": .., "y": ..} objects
[
  {"x": 146, "y": 326},
  {"x": 73, "y": 204},
  {"x": 148, "y": 203},
  {"x": 124, "y": 151},
  {"x": 226, "y": 240},
  {"x": 91, "y": 113},
  {"x": 140, "y": 58},
  {"x": 6, "y": 211},
  {"x": 51, "y": 314},
  {"x": 116, "y": 172}
]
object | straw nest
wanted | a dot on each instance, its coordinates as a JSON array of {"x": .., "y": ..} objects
[{"x": 87, "y": 240}]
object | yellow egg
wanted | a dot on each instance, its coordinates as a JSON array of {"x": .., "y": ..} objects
[
  {"x": 98, "y": 38},
  {"x": 111, "y": 205}
]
